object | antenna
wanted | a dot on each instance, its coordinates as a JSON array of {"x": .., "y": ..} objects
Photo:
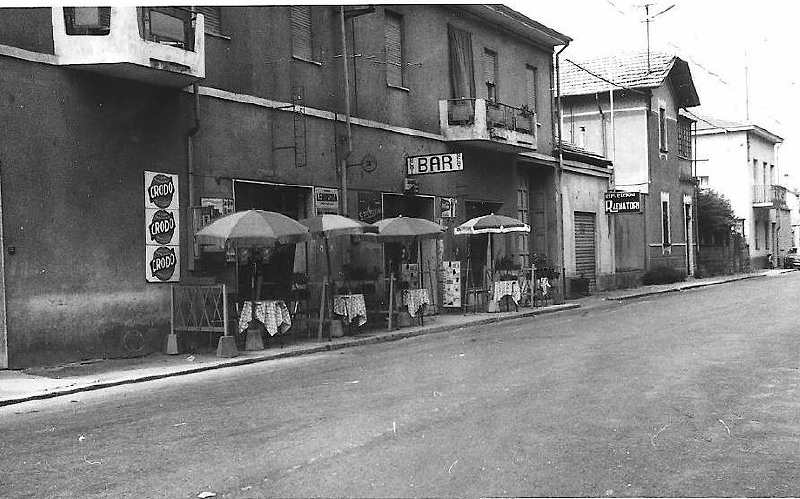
[{"x": 647, "y": 19}]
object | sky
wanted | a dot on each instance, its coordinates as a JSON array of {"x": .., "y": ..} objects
[{"x": 742, "y": 54}]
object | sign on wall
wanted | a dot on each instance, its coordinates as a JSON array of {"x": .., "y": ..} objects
[
  {"x": 162, "y": 227},
  {"x": 623, "y": 202},
  {"x": 448, "y": 207},
  {"x": 451, "y": 280},
  {"x": 326, "y": 200},
  {"x": 434, "y": 163},
  {"x": 370, "y": 207}
]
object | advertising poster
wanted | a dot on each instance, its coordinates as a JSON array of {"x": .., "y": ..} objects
[
  {"x": 326, "y": 200},
  {"x": 448, "y": 206},
  {"x": 162, "y": 227},
  {"x": 451, "y": 279},
  {"x": 370, "y": 207}
]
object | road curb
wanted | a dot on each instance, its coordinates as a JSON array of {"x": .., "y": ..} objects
[
  {"x": 682, "y": 288},
  {"x": 312, "y": 349}
]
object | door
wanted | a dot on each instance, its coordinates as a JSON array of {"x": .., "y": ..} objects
[{"x": 585, "y": 256}]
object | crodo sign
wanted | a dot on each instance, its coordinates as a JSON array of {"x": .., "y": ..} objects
[
  {"x": 162, "y": 264},
  {"x": 161, "y": 190},
  {"x": 623, "y": 202},
  {"x": 162, "y": 227}
]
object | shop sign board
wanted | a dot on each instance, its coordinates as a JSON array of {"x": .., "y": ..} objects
[
  {"x": 162, "y": 227},
  {"x": 326, "y": 200},
  {"x": 448, "y": 207},
  {"x": 623, "y": 202},
  {"x": 434, "y": 163},
  {"x": 370, "y": 207}
]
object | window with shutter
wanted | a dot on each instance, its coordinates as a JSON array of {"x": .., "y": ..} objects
[
  {"x": 393, "y": 34},
  {"x": 530, "y": 83},
  {"x": 490, "y": 74},
  {"x": 213, "y": 19},
  {"x": 302, "y": 46}
]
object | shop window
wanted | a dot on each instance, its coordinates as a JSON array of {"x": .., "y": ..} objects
[
  {"x": 94, "y": 21},
  {"x": 393, "y": 36}
]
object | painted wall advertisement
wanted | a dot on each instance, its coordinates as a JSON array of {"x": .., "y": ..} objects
[{"x": 162, "y": 227}]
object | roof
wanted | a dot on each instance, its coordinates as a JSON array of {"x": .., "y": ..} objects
[
  {"x": 629, "y": 71},
  {"x": 708, "y": 125},
  {"x": 520, "y": 24},
  {"x": 577, "y": 153}
]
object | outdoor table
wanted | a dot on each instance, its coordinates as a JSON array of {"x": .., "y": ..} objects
[
  {"x": 272, "y": 313},
  {"x": 507, "y": 288},
  {"x": 350, "y": 307},
  {"x": 415, "y": 299}
]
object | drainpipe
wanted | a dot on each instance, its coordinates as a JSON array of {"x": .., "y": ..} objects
[
  {"x": 348, "y": 131},
  {"x": 3, "y": 301},
  {"x": 560, "y": 207},
  {"x": 190, "y": 170}
]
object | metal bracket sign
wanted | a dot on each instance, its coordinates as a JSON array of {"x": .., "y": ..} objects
[
  {"x": 623, "y": 202},
  {"x": 434, "y": 163}
]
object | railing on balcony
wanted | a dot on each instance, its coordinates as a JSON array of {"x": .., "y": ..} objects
[
  {"x": 462, "y": 112},
  {"x": 774, "y": 195}
]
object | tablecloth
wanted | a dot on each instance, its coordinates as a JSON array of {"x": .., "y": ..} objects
[
  {"x": 350, "y": 307},
  {"x": 272, "y": 313},
  {"x": 414, "y": 299},
  {"x": 507, "y": 288}
]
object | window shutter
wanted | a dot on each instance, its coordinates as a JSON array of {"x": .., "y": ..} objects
[
  {"x": 489, "y": 66},
  {"x": 213, "y": 19},
  {"x": 301, "y": 32},
  {"x": 394, "y": 49},
  {"x": 530, "y": 81}
]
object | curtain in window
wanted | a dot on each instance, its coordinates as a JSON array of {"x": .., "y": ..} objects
[{"x": 462, "y": 80}]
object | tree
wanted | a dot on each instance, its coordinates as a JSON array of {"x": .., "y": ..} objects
[{"x": 715, "y": 217}]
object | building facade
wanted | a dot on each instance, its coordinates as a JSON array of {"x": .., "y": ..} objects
[
  {"x": 128, "y": 129},
  {"x": 740, "y": 161},
  {"x": 626, "y": 108}
]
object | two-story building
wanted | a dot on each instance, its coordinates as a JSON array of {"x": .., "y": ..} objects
[
  {"x": 129, "y": 128},
  {"x": 740, "y": 161},
  {"x": 626, "y": 108}
]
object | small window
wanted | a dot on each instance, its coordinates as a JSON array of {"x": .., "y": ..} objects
[
  {"x": 662, "y": 129},
  {"x": 167, "y": 25},
  {"x": 684, "y": 139},
  {"x": 94, "y": 21},
  {"x": 490, "y": 74},
  {"x": 393, "y": 36},
  {"x": 302, "y": 41},
  {"x": 665, "y": 225},
  {"x": 212, "y": 19}
]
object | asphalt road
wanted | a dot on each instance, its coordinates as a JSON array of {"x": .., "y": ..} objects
[{"x": 686, "y": 394}]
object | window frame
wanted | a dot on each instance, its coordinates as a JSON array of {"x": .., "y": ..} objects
[
  {"x": 492, "y": 91},
  {"x": 663, "y": 145},
  {"x": 666, "y": 222},
  {"x": 684, "y": 138},
  {"x": 390, "y": 16},
  {"x": 295, "y": 24},
  {"x": 212, "y": 12},
  {"x": 531, "y": 85}
]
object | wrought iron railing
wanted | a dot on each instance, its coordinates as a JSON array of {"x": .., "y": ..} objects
[{"x": 462, "y": 112}]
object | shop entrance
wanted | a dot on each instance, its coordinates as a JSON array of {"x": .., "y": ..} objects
[{"x": 276, "y": 265}]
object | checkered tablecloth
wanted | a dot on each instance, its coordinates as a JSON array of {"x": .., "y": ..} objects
[
  {"x": 272, "y": 313},
  {"x": 350, "y": 307},
  {"x": 507, "y": 288},
  {"x": 414, "y": 299}
]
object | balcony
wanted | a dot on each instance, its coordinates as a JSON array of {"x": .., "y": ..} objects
[
  {"x": 159, "y": 45},
  {"x": 493, "y": 125},
  {"x": 769, "y": 196}
]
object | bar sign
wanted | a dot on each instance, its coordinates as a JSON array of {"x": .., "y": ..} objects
[{"x": 434, "y": 163}]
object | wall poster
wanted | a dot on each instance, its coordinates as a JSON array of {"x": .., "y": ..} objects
[{"x": 162, "y": 227}]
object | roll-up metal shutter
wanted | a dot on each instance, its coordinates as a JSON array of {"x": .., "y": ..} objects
[
  {"x": 301, "y": 32},
  {"x": 585, "y": 259}
]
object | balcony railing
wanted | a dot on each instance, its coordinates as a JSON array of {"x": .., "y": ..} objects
[
  {"x": 161, "y": 45},
  {"x": 482, "y": 120},
  {"x": 769, "y": 195}
]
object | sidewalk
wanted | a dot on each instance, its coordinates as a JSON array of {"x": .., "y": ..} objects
[{"x": 46, "y": 382}]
